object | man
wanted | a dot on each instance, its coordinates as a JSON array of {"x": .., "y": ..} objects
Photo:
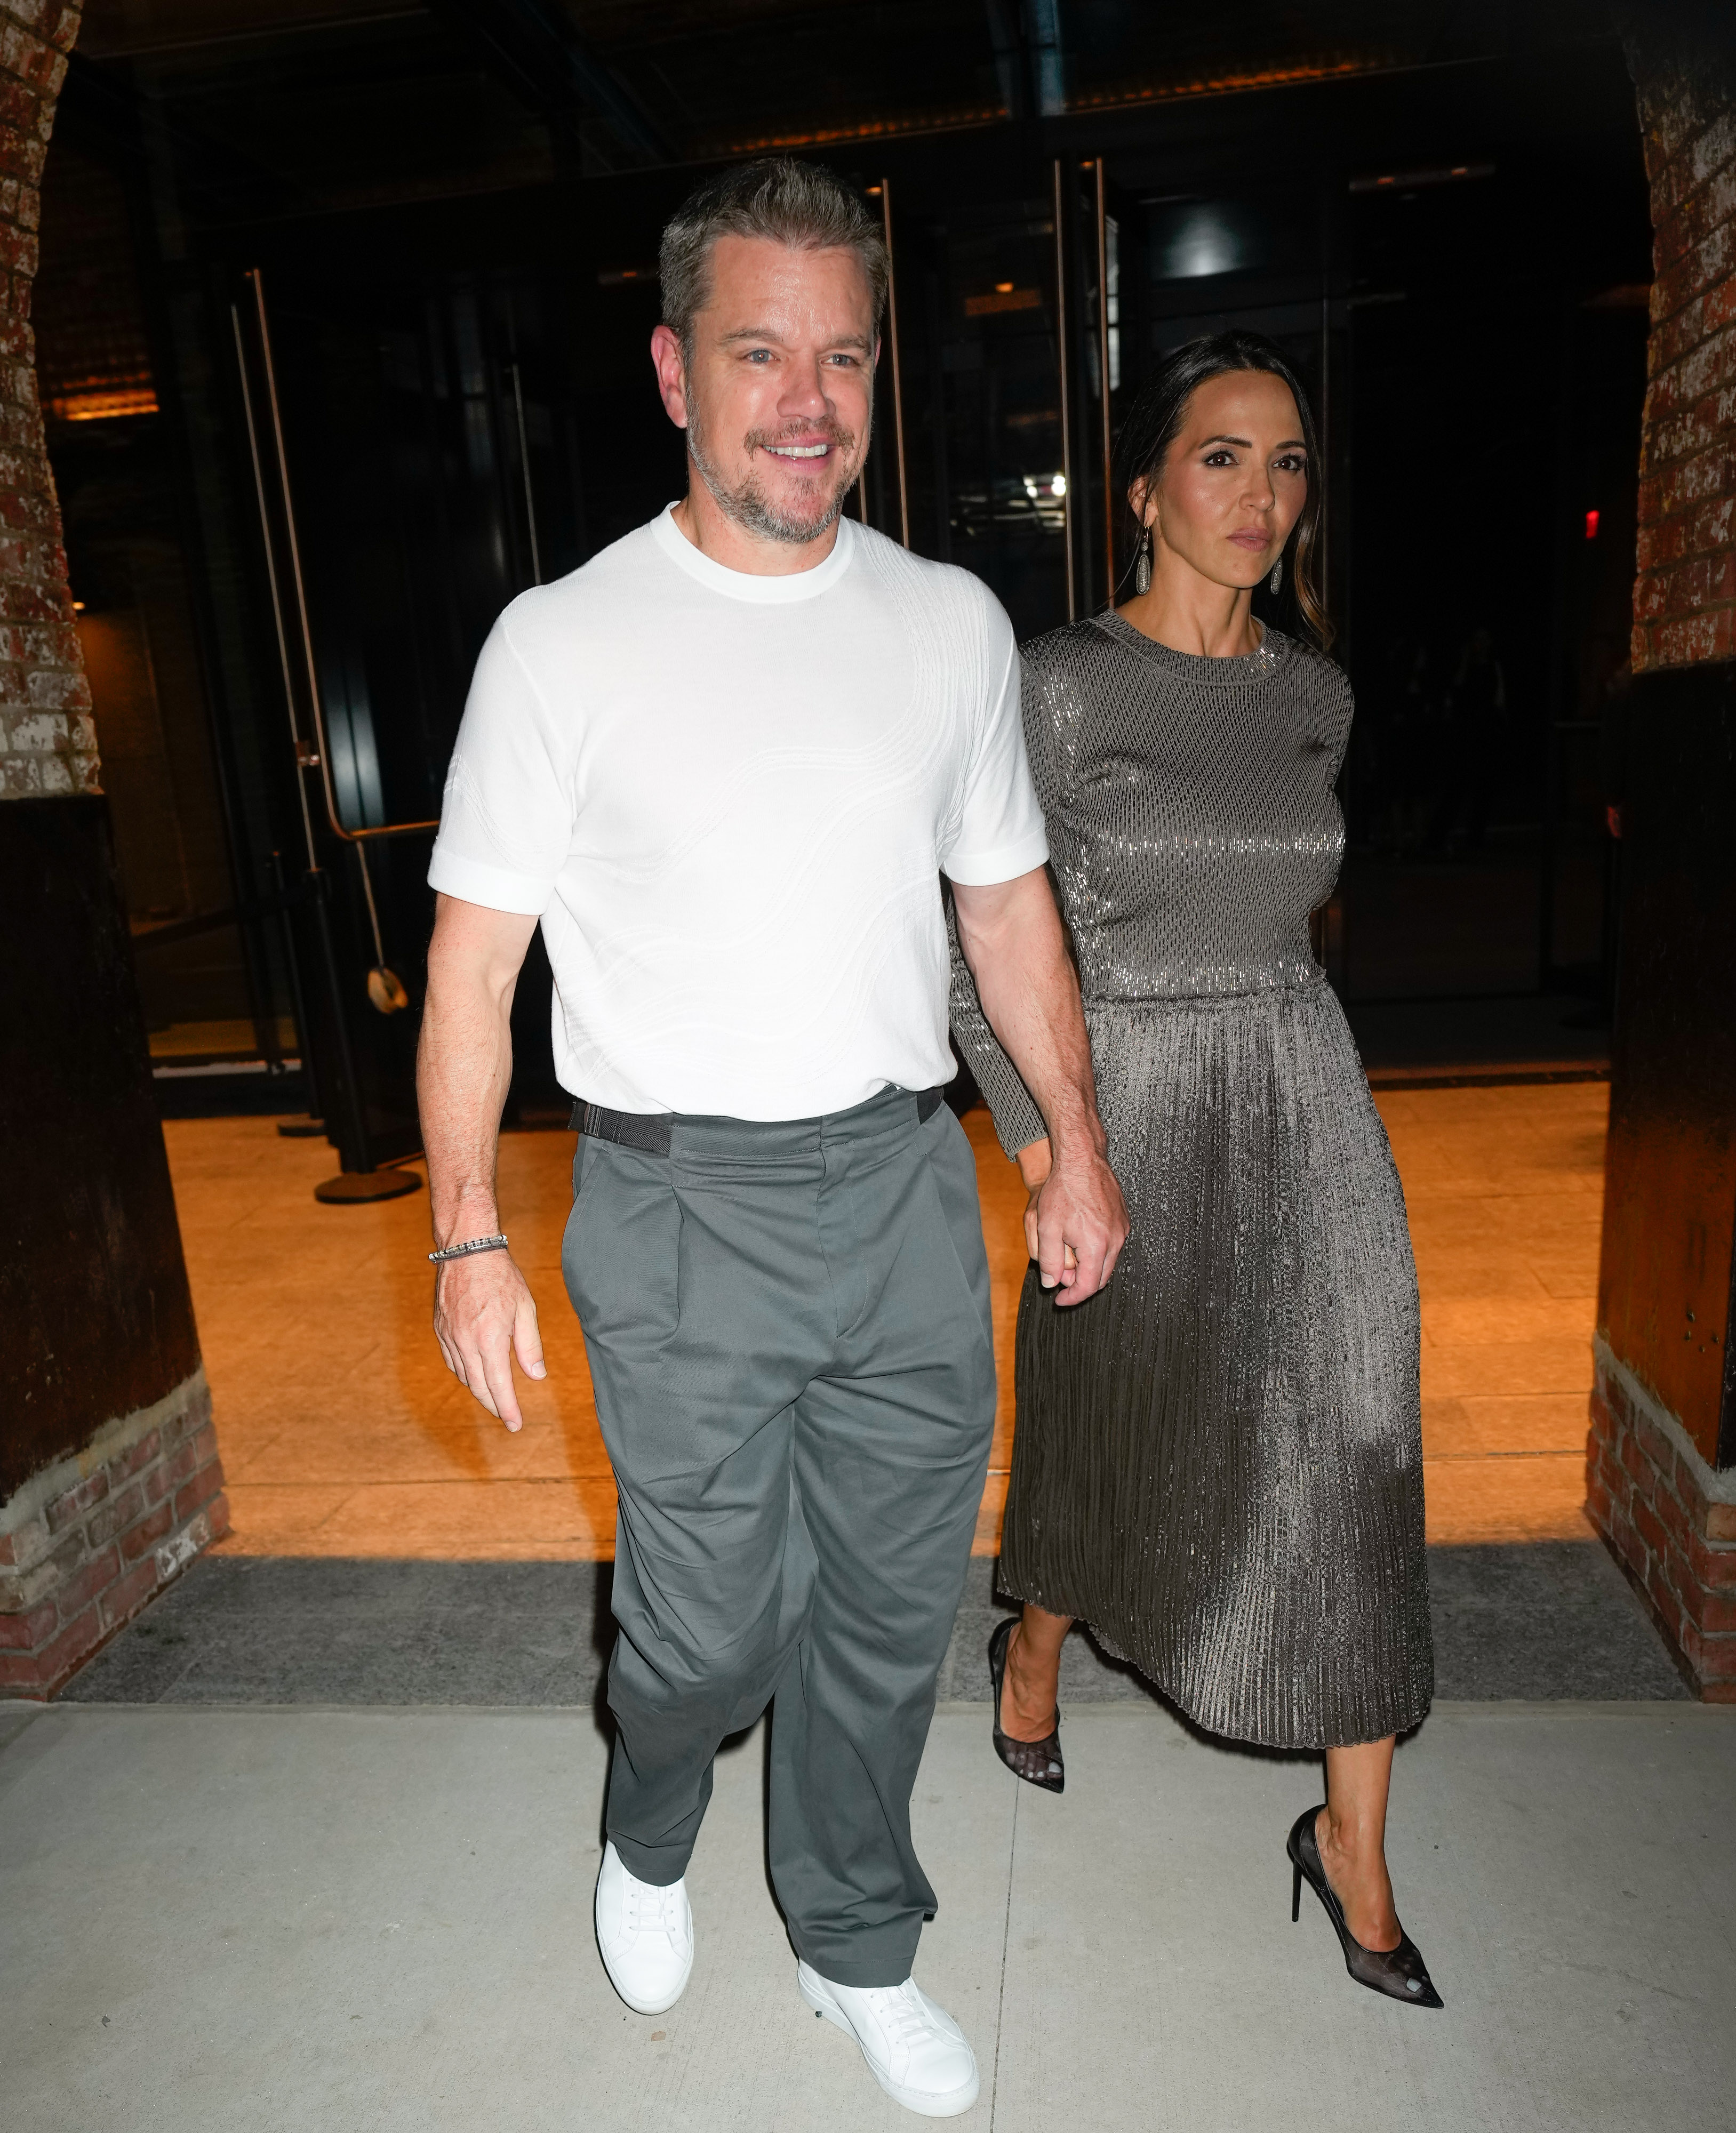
[{"x": 724, "y": 764}]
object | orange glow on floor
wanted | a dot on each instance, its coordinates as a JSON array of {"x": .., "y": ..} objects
[
  {"x": 342, "y": 1433},
  {"x": 1505, "y": 1189}
]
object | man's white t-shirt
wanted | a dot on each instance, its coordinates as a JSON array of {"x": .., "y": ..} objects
[{"x": 729, "y": 798}]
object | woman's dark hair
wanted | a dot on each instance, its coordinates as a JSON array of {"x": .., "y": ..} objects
[{"x": 1154, "y": 421}]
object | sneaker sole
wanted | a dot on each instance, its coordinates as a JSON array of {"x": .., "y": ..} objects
[
  {"x": 923, "y": 2101},
  {"x": 645, "y": 2006}
]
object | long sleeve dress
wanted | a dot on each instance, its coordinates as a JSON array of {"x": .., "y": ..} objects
[{"x": 1217, "y": 1462}]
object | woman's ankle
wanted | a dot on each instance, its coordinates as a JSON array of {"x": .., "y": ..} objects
[
  {"x": 1032, "y": 1675},
  {"x": 1358, "y": 1875}
]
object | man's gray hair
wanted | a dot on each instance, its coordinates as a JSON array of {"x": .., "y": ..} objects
[{"x": 799, "y": 204}]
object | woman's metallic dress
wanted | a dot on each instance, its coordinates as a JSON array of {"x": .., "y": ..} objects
[{"x": 1217, "y": 1462}]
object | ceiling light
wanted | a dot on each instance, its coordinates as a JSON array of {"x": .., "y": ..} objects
[{"x": 1445, "y": 174}]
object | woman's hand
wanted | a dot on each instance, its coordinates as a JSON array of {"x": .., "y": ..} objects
[{"x": 1035, "y": 1160}]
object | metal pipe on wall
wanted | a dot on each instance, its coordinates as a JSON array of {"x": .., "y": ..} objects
[
  {"x": 360, "y": 1180},
  {"x": 1325, "y": 468},
  {"x": 530, "y": 500},
  {"x": 315, "y": 703},
  {"x": 276, "y": 593},
  {"x": 1109, "y": 424},
  {"x": 898, "y": 389}
]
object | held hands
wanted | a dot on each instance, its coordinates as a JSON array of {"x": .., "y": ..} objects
[
  {"x": 1076, "y": 1221},
  {"x": 483, "y": 1315}
]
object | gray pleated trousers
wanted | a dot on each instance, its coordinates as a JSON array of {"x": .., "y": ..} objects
[{"x": 788, "y": 1332}]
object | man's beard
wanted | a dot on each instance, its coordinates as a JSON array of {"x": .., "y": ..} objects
[{"x": 749, "y": 505}]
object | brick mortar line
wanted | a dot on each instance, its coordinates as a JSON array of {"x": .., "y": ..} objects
[
  {"x": 1715, "y": 1487},
  {"x": 1676, "y": 1548},
  {"x": 33, "y": 1496},
  {"x": 47, "y": 1666},
  {"x": 102, "y": 1539}
]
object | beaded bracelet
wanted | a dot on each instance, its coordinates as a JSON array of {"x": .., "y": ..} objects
[{"x": 461, "y": 1251}]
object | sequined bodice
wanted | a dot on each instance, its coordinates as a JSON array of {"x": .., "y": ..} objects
[{"x": 1192, "y": 822}]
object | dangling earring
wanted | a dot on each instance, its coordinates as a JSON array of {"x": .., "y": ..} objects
[
  {"x": 1142, "y": 568},
  {"x": 1276, "y": 579}
]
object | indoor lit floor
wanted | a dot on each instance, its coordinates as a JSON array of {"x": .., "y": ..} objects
[{"x": 343, "y": 1434}]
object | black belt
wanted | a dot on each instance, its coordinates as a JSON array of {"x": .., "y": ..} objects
[{"x": 649, "y": 1132}]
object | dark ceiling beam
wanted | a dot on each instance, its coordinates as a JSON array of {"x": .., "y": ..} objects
[
  {"x": 1047, "y": 55},
  {"x": 539, "y": 55},
  {"x": 1030, "y": 57},
  {"x": 1010, "y": 71}
]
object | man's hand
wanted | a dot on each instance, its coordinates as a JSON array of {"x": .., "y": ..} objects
[
  {"x": 1076, "y": 1223},
  {"x": 1010, "y": 933},
  {"x": 482, "y": 1316},
  {"x": 482, "y": 1308}
]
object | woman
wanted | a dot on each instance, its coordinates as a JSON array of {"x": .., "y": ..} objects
[{"x": 1217, "y": 1462}]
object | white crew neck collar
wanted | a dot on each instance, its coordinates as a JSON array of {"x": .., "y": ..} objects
[{"x": 748, "y": 584}]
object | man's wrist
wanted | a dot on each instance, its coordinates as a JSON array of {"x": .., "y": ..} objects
[
  {"x": 1079, "y": 1139},
  {"x": 469, "y": 1218}
]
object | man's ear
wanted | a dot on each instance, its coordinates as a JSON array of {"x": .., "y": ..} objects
[{"x": 672, "y": 374}]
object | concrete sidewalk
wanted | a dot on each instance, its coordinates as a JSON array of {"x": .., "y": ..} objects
[{"x": 362, "y": 1921}]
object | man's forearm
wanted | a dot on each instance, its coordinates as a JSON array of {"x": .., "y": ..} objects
[
  {"x": 1012, "y": 939},
  {"x": 464, "y": 1066},
  {"x": 482, "y": 1312},
  {"x": 1030, "y": 994}
]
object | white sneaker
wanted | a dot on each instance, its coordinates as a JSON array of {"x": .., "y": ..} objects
[
  {"x": 914, "y": 2049},
  {"x": 644, "y": 1936}
]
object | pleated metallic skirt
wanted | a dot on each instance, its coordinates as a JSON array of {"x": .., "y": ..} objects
[{"x": 1217, "y": 1462}]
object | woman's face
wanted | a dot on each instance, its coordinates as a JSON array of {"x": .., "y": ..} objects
[{"x": 1233, "y": 482}]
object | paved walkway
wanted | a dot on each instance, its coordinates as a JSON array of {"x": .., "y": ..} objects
[
  {"x": 343, "y": 1435},
  {"x": 377, "y": 1922}
]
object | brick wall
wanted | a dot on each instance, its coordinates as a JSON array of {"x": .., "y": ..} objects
[
  {"x": 1669, "y": 1519},
  {"x": 84, "y": 1544},
  {"x": 86, "y": 1538},
  {"x": 1660, "y": 1474},
  {"x": 1685, "y": 598},
  {"x": 47, "y": 742}
]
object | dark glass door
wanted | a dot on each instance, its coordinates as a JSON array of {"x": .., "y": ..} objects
[
  {"x": 429, "y": 474},
  {"x": 1007, "y": 335}
]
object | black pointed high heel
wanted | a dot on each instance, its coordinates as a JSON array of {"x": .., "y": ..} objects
[
  {"x": 1399, "y": 1972},
  {"x": 1037, "y": 1762}
]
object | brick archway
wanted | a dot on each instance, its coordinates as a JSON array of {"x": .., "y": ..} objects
[
  {"x": 109, "y": 1480},
  {"x": 1661, "y": 1467}
]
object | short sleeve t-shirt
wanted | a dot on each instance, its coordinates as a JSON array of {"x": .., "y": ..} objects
[{"x": 729, "y": 799}]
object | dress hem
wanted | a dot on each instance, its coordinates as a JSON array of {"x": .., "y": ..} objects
[{"x": 1217, "y": 1723}]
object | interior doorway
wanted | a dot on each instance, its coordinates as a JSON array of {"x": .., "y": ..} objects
[{"x": 207, "y": 991}]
